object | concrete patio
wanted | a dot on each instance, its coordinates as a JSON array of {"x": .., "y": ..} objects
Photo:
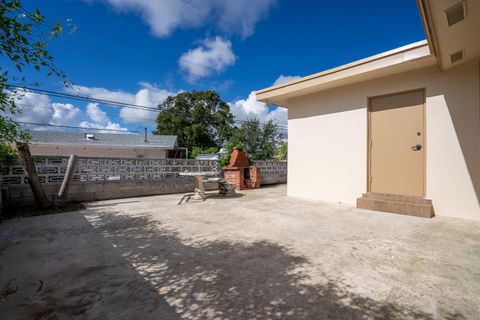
[{"x": 260, "y": 255}]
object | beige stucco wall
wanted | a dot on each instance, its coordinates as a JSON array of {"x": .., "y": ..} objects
[
  {"x": 97, "y": 151},
  {"x": 328, "y": 139}
]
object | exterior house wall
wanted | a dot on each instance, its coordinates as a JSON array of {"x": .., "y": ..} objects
[
  {"x": 328, "y": 139},
  {"x": 97, "y": 151}
]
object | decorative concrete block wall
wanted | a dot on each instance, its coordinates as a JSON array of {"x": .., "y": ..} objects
[
  {"x": 52, "y": 169},
  {"x": 103, "y": 178},
  {"x": 272, "y": 171}
]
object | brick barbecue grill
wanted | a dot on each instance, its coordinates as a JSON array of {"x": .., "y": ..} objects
[{"x": 240, "y": 173}]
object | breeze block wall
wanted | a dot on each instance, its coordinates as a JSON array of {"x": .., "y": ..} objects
[{"x": 101, "y": 179}]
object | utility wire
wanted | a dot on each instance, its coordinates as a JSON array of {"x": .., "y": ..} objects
[
  {"x": 74, "y": 127},
  {"x": 194, "y": 77},
  {"x": 50, "y": 25},
  {"x": 143, "y": 120},
  {"x": 102, "y": 101},
  {"x": 83, "y": 111},
  {"x": 234, "y": 26},
  {"x": 85, "y": 98}
]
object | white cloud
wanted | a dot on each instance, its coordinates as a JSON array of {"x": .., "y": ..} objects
[
  {"x": 100, "y": 119},
  {"x": 251, "y": 108},
  {"x": 212, "y": 56},
  {"x": 40, "y": 109},
  {"x": 96, "y": 114},
  {"x": 148, "y": 96},
  {"x": 64, "y": 114},
  {"x": 109, "y": 126},
  {"x": 283, "y": 79},
  {"x": 165, "y": 16},
  {"x": 36, "y": 108},
  {"x": 101, "y": 93}
]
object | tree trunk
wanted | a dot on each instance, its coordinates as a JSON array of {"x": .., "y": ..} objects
[
  {"x": 63, "y": 192},
  {"x": 29, "y": 169}
]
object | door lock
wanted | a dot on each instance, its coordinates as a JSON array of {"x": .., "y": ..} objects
[{"x": 417, "y": 147}]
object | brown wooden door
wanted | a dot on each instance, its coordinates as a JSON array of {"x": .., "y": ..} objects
[{"x": 397, "y": 143}]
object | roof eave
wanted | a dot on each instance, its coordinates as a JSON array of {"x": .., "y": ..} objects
[
  {"x": 279, "y": 94},
  {"x": 428, "y": 27},
  {"x": 153, "y": 146}
]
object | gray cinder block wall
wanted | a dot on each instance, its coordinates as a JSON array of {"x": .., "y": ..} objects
[{"x": 101, "y": 179}]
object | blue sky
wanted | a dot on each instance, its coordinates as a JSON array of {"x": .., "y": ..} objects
[{"x": 139, "y": 51}]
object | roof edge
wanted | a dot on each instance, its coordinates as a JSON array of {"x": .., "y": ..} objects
[
  {"x": 428, "y": 27},
  {"x": 152, "y": 145},
  {"x": 350, "y": 65}
]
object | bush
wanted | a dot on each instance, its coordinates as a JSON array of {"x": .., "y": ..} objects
[
  {"x": 282, "y": 151},
  {"x": 196, "y": 151}
]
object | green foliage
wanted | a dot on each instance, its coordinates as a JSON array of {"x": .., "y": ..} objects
[
  {"x": 229, "y": 147},
  {"x": 282, "y": 151},
  {"x": 198, "y": 118},
  {"x": 7, "y": 154},
  {"x": 259, "y": 140},
  {"x": 196, "y": 151},
  {"x": 22, "y": 44}
]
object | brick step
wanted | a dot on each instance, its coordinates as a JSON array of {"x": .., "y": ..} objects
[
  {"x": 395, "y": 203},
  {"x": 396, "y": 197}
]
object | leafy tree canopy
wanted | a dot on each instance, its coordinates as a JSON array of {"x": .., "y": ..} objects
[
  {"x": 197, "y": 151},
  {"x": 259, "y": 140},
  {"x": 199, "y": 119},
  {"x": 282, "y": 151},
  {"x": 22, "y": 44}
]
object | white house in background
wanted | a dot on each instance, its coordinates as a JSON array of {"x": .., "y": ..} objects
[
  {"x": 396, "y": 131},
  {"x": 103, "y": 145}
]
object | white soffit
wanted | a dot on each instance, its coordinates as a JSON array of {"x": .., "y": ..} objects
[
  {"x": 413, "y": 56},
  {"x": 462, "y": 36}
]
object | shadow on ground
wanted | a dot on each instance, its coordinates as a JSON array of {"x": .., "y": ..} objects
[
  {"x": 222, "y": 280},
  {"x": 60, "y": 267}
]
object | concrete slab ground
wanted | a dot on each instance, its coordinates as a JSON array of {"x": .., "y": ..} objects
[{"x": 260, "y": 255}]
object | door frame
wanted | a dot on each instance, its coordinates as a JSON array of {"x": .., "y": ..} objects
[{"x": 369, "y": 137}]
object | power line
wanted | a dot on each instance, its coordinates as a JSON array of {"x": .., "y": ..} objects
[
  {"x": 193, "y": 76},
  {"x": 83, "y": 111},
  {"x": 132, "y": 60},
  {"x": 190, "y": 3},
  {"x": 283, "y": 127},
  {"x": 90, "y": 99},
  {"x": 49, "y": 25},
  {"x": 85, "y": 98},
  {"x": 74, "y": 127},
  {"x": 111, "y": 103}
]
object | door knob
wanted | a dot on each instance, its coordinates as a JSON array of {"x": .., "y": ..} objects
[{"x": 417, "y": 147}]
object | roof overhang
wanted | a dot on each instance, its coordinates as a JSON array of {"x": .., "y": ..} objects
[
  {"x": 118, "y": 146},
  {"x": 445, "y": 39},
  {"x": 406, "y": 58}
]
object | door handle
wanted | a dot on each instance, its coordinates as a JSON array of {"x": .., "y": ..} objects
[{"x": 417, "y": 147}]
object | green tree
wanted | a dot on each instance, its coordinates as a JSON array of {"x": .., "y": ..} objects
[
  {"x": 199, "y": 119},
  {"x": 23, "y": 44},
  {"x": 259, "y": 140},
  {"x": 282, "y": 151},
  {"x": 197, "y": 151}
]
